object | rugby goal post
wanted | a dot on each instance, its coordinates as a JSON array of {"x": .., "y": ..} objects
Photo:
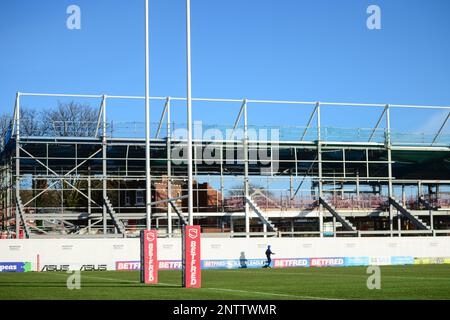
[
  {"x": 191, "y": 257},
  {"x": 149, "y": 256}
]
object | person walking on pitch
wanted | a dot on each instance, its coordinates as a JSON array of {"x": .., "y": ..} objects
[{"x": 269, "y": 260}]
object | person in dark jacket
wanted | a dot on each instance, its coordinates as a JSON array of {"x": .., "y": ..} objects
[{"x": 268, "y": 254}]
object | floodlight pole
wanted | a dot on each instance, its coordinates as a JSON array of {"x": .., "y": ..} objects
[
  {"x": 148, "y": 193},
  {"x": 189, "y": 112}
]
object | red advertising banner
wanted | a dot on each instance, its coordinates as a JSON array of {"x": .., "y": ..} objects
[
  {"x": 149, "y": 258},
  {"x": 191, "y": 256}
]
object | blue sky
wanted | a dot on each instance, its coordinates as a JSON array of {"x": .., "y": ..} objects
[{"x": 305, "y": 50}]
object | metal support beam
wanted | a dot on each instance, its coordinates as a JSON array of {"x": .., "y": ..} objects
[
  {"x": 8, "y": 192},
  {"x": 388, "y": 146},
  {"x": 99, "y": 118},
  {"x": 89, "y": 200},
  {"x": 17, "y": 122},
  {"x": 343, "y": 166},
  {"x": 291, "y": 186},
  {"x": 90, "y": 225},
  {"x": 222, "y": 185},
  {"x": 334, "y": 226},
  {"x": 169, "y": 168},
  {"x": 310, "y": 120},
  {"x": 319, "y": 159},
  {"x": 441, "y": 128},
  {"x": 304, "y": 177},
  {"x": 161, "y": 120},
  {"x": 378, "y": 123},
  {"x": 246, "y": 178},
  {"x": 357, "y": 183},
  {"x": 431, "y": 220},
  {"x": 104, "y": 164},
  {"x": 14, "y": 118},
  {"x": 241, "y": 110},
  {"x": 65, "y": 175}
]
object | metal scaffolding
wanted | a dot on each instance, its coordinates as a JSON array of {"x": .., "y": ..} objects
[{"x": 305, "y": 181}]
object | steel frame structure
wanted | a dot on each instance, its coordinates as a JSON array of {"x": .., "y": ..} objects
[{"x": 308, "y": 159}]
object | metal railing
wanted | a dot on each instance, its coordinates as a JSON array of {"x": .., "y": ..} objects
[
  {"x": 272, "y": 202},
  {"x": 120, "y": 129},
  {"x": 286, "y": 133}
]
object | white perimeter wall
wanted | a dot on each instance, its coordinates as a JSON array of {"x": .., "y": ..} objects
[{"x": 78, "y": 252}]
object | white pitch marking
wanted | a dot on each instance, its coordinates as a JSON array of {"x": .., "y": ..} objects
[
  {"x": 217, "y": 289},
  {"x": 273, "y": 294},
  {"x": 117, "y": 280},
  {"x": 339, "y": 275}
]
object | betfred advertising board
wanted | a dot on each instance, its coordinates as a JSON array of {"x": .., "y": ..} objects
[
  {"x": 327, "y": 262},
  {"x": 291, "y": 263},
  {"x": 191, "y": 256},
  {"x": 128, "y": 265},
  {"x": 149, "y": 258},
  {"x": 170, "y": 265},
  {"x": 136, "y": 265}
]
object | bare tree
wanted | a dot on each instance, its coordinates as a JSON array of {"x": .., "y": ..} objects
[
  {"x": 70, "y": 119},
  {"x": 30, "y": 124},
  {"x": 5, "y": 124}
]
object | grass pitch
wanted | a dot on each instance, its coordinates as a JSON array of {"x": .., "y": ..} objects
[{"x": 397, "y": 282}]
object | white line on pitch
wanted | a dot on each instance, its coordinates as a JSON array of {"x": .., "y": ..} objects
[
  {"x": 338, "y": 275},
  {"x": 272, "y": 294},
  {"x": 117, "y": 280},
  {"x": 217, "y": 289}
]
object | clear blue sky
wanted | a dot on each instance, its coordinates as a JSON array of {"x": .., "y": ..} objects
[{"x": 307, "y": 50}]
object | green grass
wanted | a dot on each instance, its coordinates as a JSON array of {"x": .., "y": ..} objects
[{"x": 397, "y": 282}]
